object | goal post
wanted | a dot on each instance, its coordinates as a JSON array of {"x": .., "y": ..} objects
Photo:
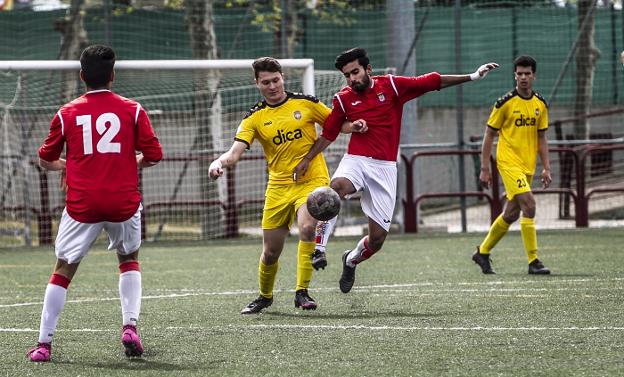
[
  {"x": 67, "y": 65},
  {"x": 194, "y": 122}
]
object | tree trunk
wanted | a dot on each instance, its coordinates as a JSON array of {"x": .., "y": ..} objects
[
  {"x": 74, "y": 40},
  {"x": 586, "y": 58},
  {"x": 207, "y": 112}
]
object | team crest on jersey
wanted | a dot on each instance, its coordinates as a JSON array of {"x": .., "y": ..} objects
[
  {"x": 297, "y": 114},
  {"x": 536, "y": 112},
  {"x": 381, "y": 97}
]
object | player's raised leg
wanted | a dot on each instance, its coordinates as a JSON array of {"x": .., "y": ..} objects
[{"x": 365, "y": 248}]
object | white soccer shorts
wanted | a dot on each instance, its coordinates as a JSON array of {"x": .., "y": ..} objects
[
  {"x": 377, "y": 179},
  {"x": 74, "y": 239}
]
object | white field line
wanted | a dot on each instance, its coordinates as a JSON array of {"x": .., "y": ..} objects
[
  {"x": 335, "y": 328},
  {"x": 381, "y": 288}
]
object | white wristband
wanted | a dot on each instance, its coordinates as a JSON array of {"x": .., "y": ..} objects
[
  {"x": 216, "y": 164},
  {"x": 476, "y": 76}
]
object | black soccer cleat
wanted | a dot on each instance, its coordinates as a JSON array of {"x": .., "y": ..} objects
[
  {"x": 348, "y": 274},
  {"x": 483, "y": 260},
  {"x": 304, "y": 301},
  {"x": 319, "y": 260},
  {"x": 537, "y": 268},
  {"x": 257, "y": 305}
]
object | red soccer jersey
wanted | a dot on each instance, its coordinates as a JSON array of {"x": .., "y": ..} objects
[
  {"x": 381, "y": 105},
  {"x": 102, "y": 131}
]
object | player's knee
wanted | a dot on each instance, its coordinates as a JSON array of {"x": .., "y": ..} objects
[
  {"x": 307, "y": 232},
  {"x": 341, "y": 186},
  {"x": 529, "y": 212},
  {"x": 510, "y": 219},
  {"x": 528, "y": 207},
  {"x": 270, "y": 256}
]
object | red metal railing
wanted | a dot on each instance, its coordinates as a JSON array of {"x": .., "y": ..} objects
[
  {"x": 410, "y": 203},
  {"x": 580, "y": 194}
]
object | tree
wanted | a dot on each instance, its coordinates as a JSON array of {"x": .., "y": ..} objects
[
  {"x": 74, "y": 40},
  {"x": 207, "y": 103},
  {"x": 586, "y": 58},
  {"x": 284, "y": 18}
]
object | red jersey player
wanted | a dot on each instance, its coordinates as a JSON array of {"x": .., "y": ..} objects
[
  {"x": 102, "y": 132},
  {"x": 374, "y": 103}
]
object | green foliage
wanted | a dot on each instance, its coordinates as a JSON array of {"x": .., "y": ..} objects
[{"x": 268, "y": 14}]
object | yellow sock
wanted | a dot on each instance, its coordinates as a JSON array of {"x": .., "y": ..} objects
[
  {"x": 304, "y": 264},
  {"x": 529, "y": 237},
  {"x": 498, "y": 229},
  {"x": 266, "y": 278}
]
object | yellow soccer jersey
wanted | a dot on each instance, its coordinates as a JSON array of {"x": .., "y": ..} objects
[
  {"x": 518, "y": 119},
  {"x": 286, "y": 132}
]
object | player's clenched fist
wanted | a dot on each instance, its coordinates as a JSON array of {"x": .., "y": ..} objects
[
  {"x": 360, "y": 126},
  {"x": 216, "y": 169}
]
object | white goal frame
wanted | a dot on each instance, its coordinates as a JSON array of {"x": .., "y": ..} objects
[
  {"x": 67, "y": 65},
  {"x": 305, "y": 73}
]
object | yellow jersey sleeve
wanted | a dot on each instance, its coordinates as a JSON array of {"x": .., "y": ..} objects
[
  {"x": 498, "y": 116},
  {"x": 246, "y": 131},
  {"x": 543, "y": 119},
  {"x": 496, "y": 119},
  {"x": 319, "y": 112}
]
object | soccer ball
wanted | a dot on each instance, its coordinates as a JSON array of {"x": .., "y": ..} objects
[{"x": 323, "y": 203}]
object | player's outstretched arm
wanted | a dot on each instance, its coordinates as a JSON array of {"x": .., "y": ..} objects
[
  {"x": 481, "y": 72},
  {"x": 227, "y": 159}
]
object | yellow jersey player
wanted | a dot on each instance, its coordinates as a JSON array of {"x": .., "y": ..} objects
[
  {"x": 520, "y": 119},
  {"x": 284, "y": 124}
]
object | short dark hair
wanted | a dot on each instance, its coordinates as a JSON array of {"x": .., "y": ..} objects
[
  {"x": 266, "y": 64},
  {"x": 348, "y": 56},
  {"x": 525, "y": 61},
  {"x": 97, "y": 63}
]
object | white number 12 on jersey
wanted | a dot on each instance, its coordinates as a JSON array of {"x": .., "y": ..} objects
[{"x": 105, "y": 145}]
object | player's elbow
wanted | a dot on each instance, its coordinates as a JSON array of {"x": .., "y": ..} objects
[
  {"x": 152, "y": 157},
  {"x": 148, "y": 164},
  {"x": 47, "y": 165},
  {"x": 43, "y": 163}
]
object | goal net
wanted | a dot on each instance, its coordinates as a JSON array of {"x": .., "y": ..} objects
[{"x": 195, "y": 108}]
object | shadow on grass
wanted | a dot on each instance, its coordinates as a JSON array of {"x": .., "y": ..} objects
[
  {"x": 356, "y": 315},
  {"x": 146, "y": 364},
  {"x": 552, "y": 275}
]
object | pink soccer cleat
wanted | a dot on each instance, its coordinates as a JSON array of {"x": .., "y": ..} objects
[
  {"x": 131, "y": 341},
  {"x": 41, "y": 353}
]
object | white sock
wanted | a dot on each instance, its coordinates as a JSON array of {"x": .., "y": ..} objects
[
  {"x": 130, "y": 296},
  {"x": 53, "y": 303},
  {"x": 356, "y": 255},
  {"x": 323, "y": 231}
]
